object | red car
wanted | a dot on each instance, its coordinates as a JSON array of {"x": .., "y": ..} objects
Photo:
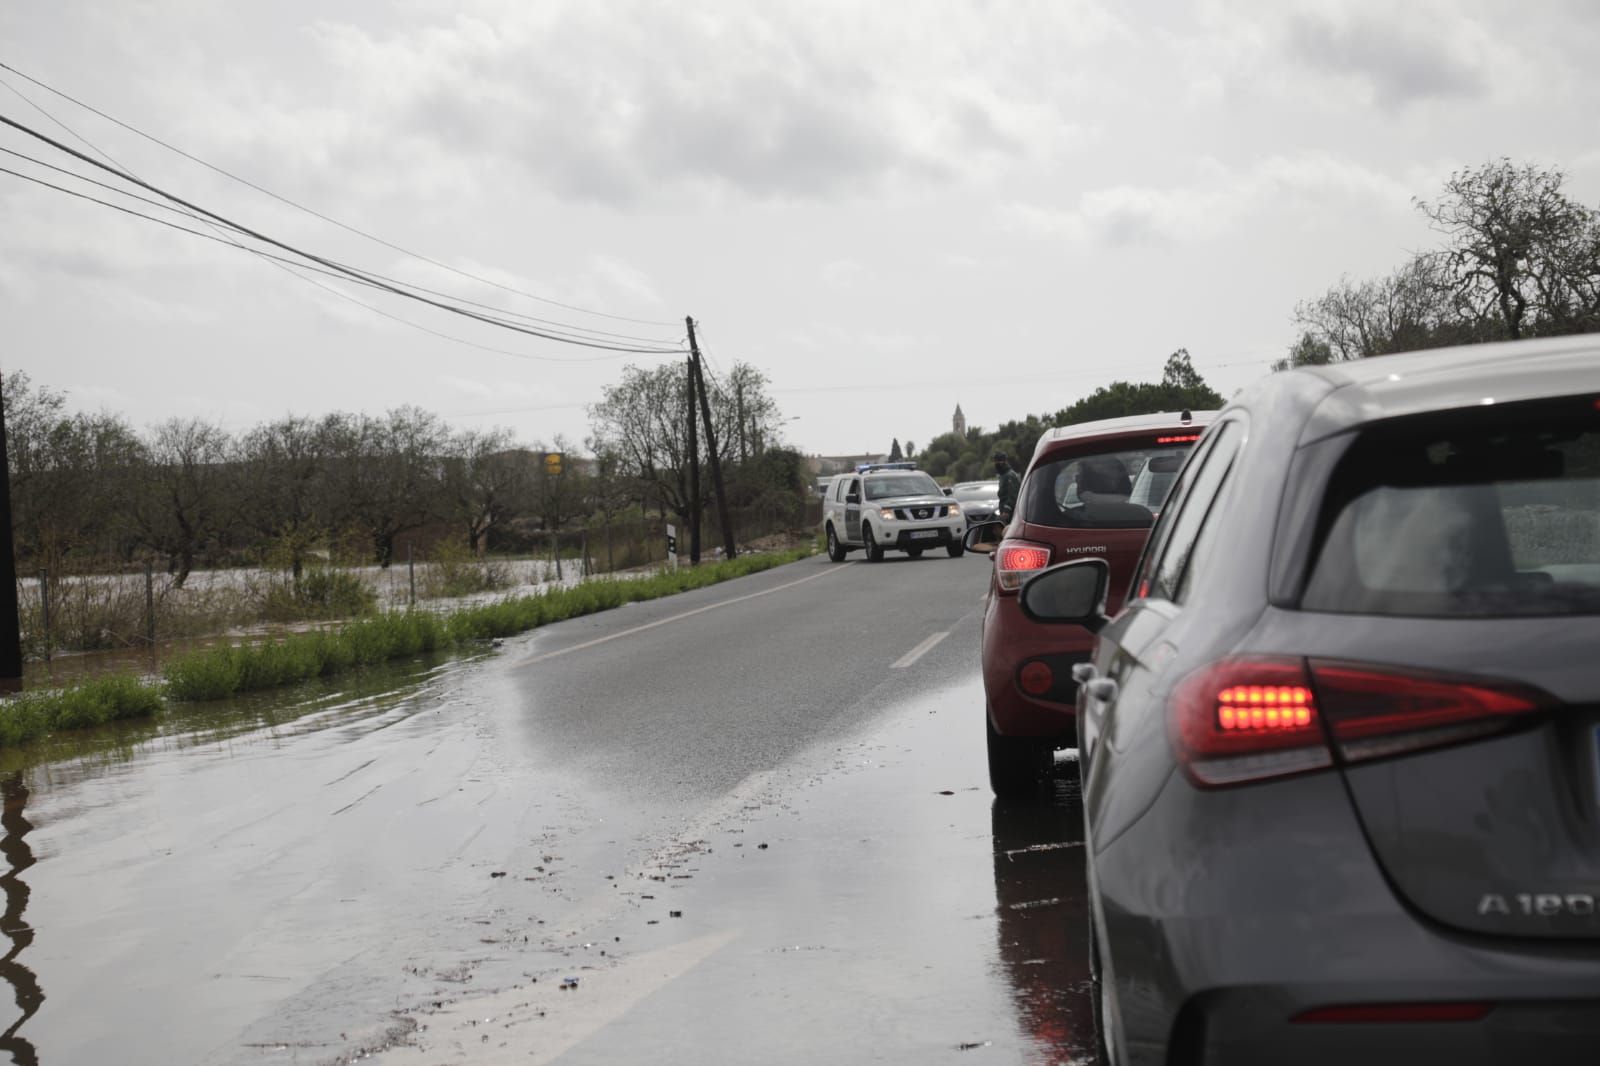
[{"x": 1092, "y": 490}]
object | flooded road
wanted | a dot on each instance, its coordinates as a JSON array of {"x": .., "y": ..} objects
[{"x": 387, "y": 864}]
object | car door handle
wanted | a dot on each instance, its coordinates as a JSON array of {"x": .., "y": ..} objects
[
  {"x": 1083, "y": 673},
  {"x": 1103, "y": 689}
]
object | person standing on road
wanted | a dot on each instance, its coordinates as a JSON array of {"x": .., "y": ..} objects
[{"x": 1010, "y": 485}]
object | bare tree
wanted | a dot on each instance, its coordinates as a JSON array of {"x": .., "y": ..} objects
[
  {"x": 642, "y": 421},
  {"x": 183, "y": 487},
  {"x": 487, "y": 482},
  {"x": 1519, "y": 249}
]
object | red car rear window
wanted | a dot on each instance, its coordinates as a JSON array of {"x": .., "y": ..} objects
[{"x": 1120, "y": 489}]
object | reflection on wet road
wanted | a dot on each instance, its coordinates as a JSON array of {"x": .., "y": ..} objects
[
  {"x": 1043, "y": 916},
  {"x": 409, "y": 865},
  {"x": 19, "y": 857}
]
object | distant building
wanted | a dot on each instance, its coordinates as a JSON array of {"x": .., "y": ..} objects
[{"x": 958, "y": 424}]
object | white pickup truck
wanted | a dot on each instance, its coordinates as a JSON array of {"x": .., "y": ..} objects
[{"x": 890, "y": 510}]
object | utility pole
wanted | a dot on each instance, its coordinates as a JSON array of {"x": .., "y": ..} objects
[
  {"x": 694, "y": 463},
  {"x": 10, "y": 624},
  {"x": 711, "y": 447}
]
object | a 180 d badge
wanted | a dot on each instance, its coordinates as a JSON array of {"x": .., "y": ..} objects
[{"x": 1538, "y": 904}]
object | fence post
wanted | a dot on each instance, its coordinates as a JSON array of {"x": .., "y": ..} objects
[
  {"x": 149, "y": 604},
  {"x": 555, "y": 553},
  {"x": 44, "y": 603},
  {"x": 411, "y": 571},
  {"x": 611, "y": 562},
  {"x": 583, "y": 553}
]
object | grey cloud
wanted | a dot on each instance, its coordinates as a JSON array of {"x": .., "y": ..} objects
[{"x": 1401, "y": 64}]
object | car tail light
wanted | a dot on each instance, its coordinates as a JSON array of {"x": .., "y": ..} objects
[
  {"x": 1036, "y": 678},
  {"x": 1016, "y": 560},
  {"x": 1251, "y": 718},
  {"x": 1389, "y": 1013},
  {"x": 1376, "y": 711},
  {"x": 1247, "y": 719}
]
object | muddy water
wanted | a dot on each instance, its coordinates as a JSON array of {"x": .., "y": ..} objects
[{"x": 140, "y": 857}]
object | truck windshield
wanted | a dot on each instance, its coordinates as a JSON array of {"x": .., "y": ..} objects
[{"x": 883, "y": 488}]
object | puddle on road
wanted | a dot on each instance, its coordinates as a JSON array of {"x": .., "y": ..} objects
[
  {"x": 872, "y": 897},
  {"x": 62, "y": 758}
]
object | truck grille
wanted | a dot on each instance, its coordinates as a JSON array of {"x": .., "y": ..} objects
[{"x": 921, "y": 514}]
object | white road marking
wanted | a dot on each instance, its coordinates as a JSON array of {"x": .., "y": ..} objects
[
  {"x": 919, "y": 651},
  {"x": 679, "y": 617}
]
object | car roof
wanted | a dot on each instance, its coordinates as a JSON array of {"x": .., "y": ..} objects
[
  {"x": 1131, "y": 424},
  {"x": 1393, "y": 386}
]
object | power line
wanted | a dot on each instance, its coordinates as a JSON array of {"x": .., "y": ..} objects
[
  {"x": 294, "y": 267},
  {"x": 349, "y": 271},
  {"x": 228, "y": 240},
  {"x": 326, "y": 218}
]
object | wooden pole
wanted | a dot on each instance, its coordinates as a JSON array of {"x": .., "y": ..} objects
[{"x": 711, "y": 447}]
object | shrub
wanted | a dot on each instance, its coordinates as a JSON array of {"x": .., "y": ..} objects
[
  {"x": 92, "y": 703},
  {"x": 322, "y": 592}
]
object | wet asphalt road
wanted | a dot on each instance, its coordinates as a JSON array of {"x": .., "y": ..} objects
[{"x": 750, "y": 821}]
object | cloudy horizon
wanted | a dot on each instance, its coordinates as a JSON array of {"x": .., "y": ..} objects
[{"x": 889, "y": 209}]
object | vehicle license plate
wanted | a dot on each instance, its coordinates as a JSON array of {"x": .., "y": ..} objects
[{"x": 925, "y": 533}]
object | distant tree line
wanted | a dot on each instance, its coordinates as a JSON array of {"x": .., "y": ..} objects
[
  {"x": 89, "y": 488},
  {"x": 967, "y": 457},
  {"x": 1520, "y": 258}
]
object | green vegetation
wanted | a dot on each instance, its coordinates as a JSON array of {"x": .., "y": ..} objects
[
  {"x": 321, "y": 592},
  {"x": 221, "y": 672},
  {"x": 217, "y": 673},
  {"x": 92, "y": 703}
]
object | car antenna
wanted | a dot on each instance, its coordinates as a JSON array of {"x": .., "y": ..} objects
[{"x": 1186, "y": 418}]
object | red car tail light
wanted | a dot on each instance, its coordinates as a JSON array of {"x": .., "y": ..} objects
[
  {"x": 1247, "y": 719},
  {"x": 1375, "y": 711},
  {"x": 1388, "y": 1013},
  {"x": 1016, "y": 560},
  {"x": 1036, "y": 678},
  {"x": 1251, "y": 718}
]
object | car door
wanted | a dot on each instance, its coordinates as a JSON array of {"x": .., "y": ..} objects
[
  {"x": 852, "y": 510},
  {"x": 1124, "y": 707}
]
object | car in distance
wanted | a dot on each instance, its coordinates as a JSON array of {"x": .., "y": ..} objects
[
  {"x": 1341, "y": 748},
  {"x": 884, "y": 509},
  {"x": 979, "y": 500},
  {"x": 1076, "y": 501}
]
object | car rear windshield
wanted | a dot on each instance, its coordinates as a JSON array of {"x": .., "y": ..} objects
[
  {"x": 883, "y": 488},
  {"x": 1480, "y": 514},
  {"x": 1112, "y": 490}
]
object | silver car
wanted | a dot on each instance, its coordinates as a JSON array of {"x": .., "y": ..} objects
[{"x": 1340, "y": 750}]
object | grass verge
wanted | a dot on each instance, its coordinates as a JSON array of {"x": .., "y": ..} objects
[
  {"x": 96, "y": 702},
  {"x": 217, "y": 673}
]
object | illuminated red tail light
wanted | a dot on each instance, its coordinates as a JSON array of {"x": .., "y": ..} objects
[
  {"x": 1252, "y": 718},
  {"x": 1016, "y": 560},
  {"x": 1247, "y": 719},
  {"x": 1376, "y": 711}
]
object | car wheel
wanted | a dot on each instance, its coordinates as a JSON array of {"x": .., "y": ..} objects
[
  {"x": 1017, "y": 765},
  {"x": 915, "y": 553},
  {"x": 836, "y": 551},
  {"x": 874, "y": 549},
  {"x": 955, "y": 548}
]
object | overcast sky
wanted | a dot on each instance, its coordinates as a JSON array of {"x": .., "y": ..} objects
[{"x": 889, "y": 207}]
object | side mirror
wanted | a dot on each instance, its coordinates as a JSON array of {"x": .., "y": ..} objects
[
  {"x": 948, "y": 491},
  {"x": 852, "y": 497},
  {"x": 985, "y": 537},
  {"x": 1068, "y": 594}
]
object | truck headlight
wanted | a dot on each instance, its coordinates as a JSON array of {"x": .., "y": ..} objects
[{"x": 887, "y": 514}]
